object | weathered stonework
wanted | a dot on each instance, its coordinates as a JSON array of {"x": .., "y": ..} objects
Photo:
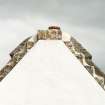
[
  {"x": 19, "y": 48},
  {"x": 16, "y": 55},
  {"x": 54, "y": 33},
  {"x": 86, "y": 59},
  {"x": 6, "y": 69}
]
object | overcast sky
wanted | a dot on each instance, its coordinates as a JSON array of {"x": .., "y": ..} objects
[{"x": 83, "y": 19}]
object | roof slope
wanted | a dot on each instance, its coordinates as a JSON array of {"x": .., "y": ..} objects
[
  {"x": 49, "y": 74},
  {"x": 54, "y": 33}
]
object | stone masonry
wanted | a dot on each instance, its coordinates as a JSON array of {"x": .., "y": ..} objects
[{"x": 54, "y": 33}]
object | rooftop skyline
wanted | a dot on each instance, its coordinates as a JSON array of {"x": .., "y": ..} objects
[{"x": 85, "y": 20}]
